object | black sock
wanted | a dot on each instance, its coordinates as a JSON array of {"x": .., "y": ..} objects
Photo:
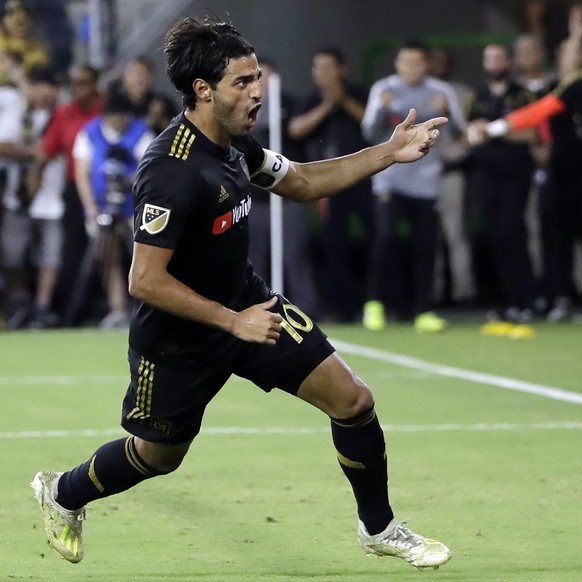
[
  {"x": 115, "y": 467},
  {"x": 361, "y": 451}
]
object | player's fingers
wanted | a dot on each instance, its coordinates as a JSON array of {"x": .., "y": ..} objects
[
  {"x": 274, "y": 335},
  {"x": 269, "y": 303},
  {"x": 436, "y": 121},
  {"x": 410, "y": 118}
]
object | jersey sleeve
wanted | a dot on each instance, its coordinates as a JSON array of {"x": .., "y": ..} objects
[
  {"x": 253, "y": 152},
  {"x": 266, "y": 168},
  {"x": 535, "y": 113},
  {"x": 82, "y": 148},
  {"x": 164, "y": 198}
]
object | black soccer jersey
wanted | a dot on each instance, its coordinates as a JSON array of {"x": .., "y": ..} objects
[{"x": 193, "y": 196}]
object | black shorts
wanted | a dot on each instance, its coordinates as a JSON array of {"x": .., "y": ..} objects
[{"x": 166, "y": 404}]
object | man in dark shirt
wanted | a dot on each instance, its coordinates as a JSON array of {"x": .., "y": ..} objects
[
  {"x": 562, "y": 108},
  {"x": 329, "y": 121},
  {"x": 204, "y": 314},
  {"x": 499, "y": 177}
]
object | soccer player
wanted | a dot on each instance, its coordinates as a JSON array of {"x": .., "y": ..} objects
[{"x": 203, "y": 313}]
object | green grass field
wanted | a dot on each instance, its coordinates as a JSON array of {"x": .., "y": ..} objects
[{"x": 494, "y": 473}]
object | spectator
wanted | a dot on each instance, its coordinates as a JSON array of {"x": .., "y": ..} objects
[
  {"x": 15, "y": 36},
  {"x": 137, "y": 83},
  {"x": 563, "y": 107},
  {"x": 500, "y": 178},
  {"x": 407, "y": 220},
  {"x": 452, "y": 204},
  {"x": 31, "y": 225},
  {"x": 329, "y": 120},
  {"x": 531, "y": 72},
  {"x": 529, "y": 65},
  {"x": 107, "y": 151},
  {"x": 12, "y": 151},
  {"x": 58, "y": 139},
  {"x": 298, "y": 275}
]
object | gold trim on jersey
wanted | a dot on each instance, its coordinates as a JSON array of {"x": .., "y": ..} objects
[
  {"x": 143, "y": 396},
  {"x": 182, "y": 143}
]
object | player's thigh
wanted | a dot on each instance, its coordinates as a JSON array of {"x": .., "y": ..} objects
[
  {"x": 334, "y": 388},
  {"x": 301, "y": 348},
  {"x": 166, "y": 403}
]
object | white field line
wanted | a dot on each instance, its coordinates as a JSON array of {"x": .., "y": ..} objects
[
  {"x": 468, "y": 375},
  {"x": 240, "y": 430},
  {"x": 61, "y": 380}
]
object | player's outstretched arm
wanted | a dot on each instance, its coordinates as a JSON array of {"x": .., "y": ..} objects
[
  {"x": 150, "y": 282},
  {"x": 313, "y": 180}
]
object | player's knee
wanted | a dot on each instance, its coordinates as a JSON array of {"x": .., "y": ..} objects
[
  {"x": 162, "y": 458},
  {"x": 354, "y": 401},
  {"x": 166, "y": 465}
]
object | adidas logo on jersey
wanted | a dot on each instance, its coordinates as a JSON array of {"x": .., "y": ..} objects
[
  {"x": 227, "y": 220},
  {"x": 223, "y": 194}
]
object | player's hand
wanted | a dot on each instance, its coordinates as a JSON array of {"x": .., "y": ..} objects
[
  {"x": 258, "y": 324},
  {"x": 411, "y": 141}
]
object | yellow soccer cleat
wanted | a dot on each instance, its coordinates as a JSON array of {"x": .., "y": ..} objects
[
  {"x": 400, "y": 542},
  {"x": 64, "y": 528}
]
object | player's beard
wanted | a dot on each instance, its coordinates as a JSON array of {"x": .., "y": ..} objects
[{"x": 233, "y": 119}]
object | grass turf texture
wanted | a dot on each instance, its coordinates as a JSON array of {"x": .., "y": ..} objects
[{"x": 268, "y": 506}]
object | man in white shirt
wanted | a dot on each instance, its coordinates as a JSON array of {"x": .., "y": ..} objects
[
  {"x": 31, "y": 224},
  {"x": 406, "y": 216}
]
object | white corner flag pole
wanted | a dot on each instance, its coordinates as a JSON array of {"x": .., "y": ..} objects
[{"x": 276, "y": 203}]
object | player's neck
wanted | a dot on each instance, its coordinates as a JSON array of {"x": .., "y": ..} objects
[{"x": 208, "y": 127}]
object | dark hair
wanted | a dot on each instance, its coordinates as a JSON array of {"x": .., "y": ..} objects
[
  {"x": 116, "y": 102},
  {"x": 414, "y": 44},
  {"x": 42, "y": 74},
  {"x": 201, "y": 50},
  {"x": 336, "y": 53},
  {"x": 142, "y": 60},
  {"x": 86, "y": 68}
]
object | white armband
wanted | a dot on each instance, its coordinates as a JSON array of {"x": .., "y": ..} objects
[
  {"x": 497, "y": 128},
  {"x": 274, "y": 169}
]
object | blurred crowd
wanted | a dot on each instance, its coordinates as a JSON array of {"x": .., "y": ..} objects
[{"x": 494, "y": 225}]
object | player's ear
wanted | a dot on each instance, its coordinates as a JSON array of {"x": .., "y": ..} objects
[{"x": 202, "y": 90}]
